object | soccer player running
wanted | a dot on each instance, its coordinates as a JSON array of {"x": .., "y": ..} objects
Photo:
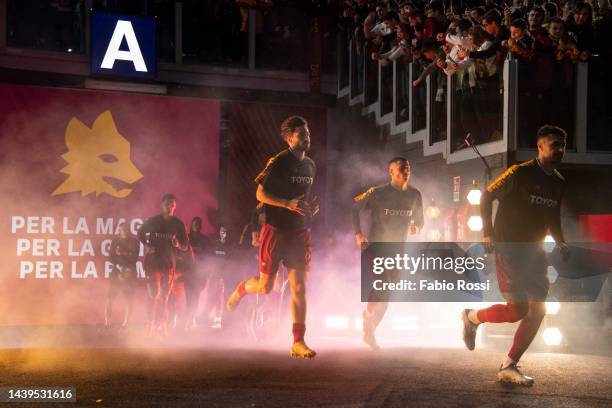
[
  {"x": 161, "y": 235},
  {"x": 396, "y": 211},
  {"x": 123, "y": 254},
  {"x": 284, "y": 187},
  {"x": 529, "y": 197}
]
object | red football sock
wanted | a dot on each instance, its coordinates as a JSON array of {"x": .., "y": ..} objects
[
  {"x": 242, "y": 289},
  {"x": 527, "y": 330},
  {"x": 507, "y": 313},
  {"x": 299, "y": 329}
]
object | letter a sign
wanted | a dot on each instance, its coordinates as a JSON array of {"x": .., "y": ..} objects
[{"x": 123, "y": 46}]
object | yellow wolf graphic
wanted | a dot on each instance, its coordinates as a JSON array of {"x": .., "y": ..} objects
[{"x": 98, "y": 159}]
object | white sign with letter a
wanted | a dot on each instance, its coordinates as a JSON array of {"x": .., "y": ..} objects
[{"x": 124, "y": 29}]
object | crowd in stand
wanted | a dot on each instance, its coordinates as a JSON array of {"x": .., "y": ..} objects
[{"x": 473, "y": 37}]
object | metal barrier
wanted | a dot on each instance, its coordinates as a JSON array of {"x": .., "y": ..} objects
[
  {"x": 599, "y": 107},
  {"x": 501, "y": 107}
]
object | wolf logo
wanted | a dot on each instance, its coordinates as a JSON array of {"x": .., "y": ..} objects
[{"x": 98, "y": 159}]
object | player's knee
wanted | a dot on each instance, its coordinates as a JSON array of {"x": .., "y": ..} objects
[
  {"x": 267, "y": 287},
  {"x": 537, "y": 310},
  {"x": 518, "y": 311},
  {"x": 298, "y": 289}
]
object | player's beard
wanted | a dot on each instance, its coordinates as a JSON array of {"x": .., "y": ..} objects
[
  {"x": 555, "y": 159},
  {"x": 303, "y": 147}
]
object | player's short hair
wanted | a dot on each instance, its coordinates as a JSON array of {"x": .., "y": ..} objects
[
  {"x": 168, "y": 197},
  {"x": 548, "y": 130},
  {"x": 290, "y": 124},
  {"x": 199, "y": 219},
  {"x": 492, "y": 16},
  {"x": 396, "y": 159}
]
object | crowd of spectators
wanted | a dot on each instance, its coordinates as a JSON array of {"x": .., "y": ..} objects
[{"x": 472, "y": 38}]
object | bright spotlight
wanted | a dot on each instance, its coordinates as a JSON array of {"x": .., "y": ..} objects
[
  {"x": 473, "y": 196},
  {"x": 552, "y": 274},
  {"x": 433, "y": 211},
  {"x": 336, "y": 322},
  {"x": 435, "y": 235},
  {"x": 549, "y": 243},
  {"x": 358, "y": 323},
  {"x": 405, "y": 323},
  {"x": 552, "y": 308},
  {"x": 475, "y": 223},
  {"x": 552, "y": 336}
]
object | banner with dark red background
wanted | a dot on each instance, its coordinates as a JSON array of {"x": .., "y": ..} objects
[{"x": 74, "y": 164}]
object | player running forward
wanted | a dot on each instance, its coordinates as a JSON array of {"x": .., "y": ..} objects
[
  {"x": 283, "y": 187},
  {"x": 123, "y": 254},
  {"x": 161, "y": 235},
  {"x": 397, "y": 210},
  {"x": 529, "y": 196}
]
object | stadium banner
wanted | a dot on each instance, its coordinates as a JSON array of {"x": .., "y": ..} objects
[{"x": 75, "y": 164}]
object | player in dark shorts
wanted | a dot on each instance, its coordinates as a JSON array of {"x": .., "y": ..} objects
[
  {"x": 284, "y": 187},
  {"x": 216, "y": 256},
  {"x": 249, "y": 238},
  {"x": 123, "y": 254},
  {"x": 161, "y": 235},
  {"x": 397, "y": 211},
  {"x": 529, "y": 196},
  {"x": 183, "y": 275},
  {"x": 195, "y": 282}
]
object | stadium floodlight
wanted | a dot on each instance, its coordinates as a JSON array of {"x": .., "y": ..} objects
[
  {"x": 552, "y": 308},
  {"x": 336, "y": 322},
  {"x": 549, "y": 243},
  {"x": 434, "y": 235},
  {"x": 433, "y": 211},
  {"x": 552, "y": 274},
  {"x": 475, "y": 223},
  {"x": 552, "y": 336},
  {"x": 474, "y": 194}
]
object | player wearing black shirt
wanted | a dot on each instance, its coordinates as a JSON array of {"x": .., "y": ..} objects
[
  {"x": 529, "y": 197},
  {"x": 217, "y": 253},
  {"x": 123, "y": 254},
  {"x": 161, "y": 235},
  {"x": 284, "y": 187},
  {"x": 195, "y": 282},
  {"x": 397, "y": 211}
]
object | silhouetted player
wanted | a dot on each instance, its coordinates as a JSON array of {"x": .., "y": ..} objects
[
  {"x": 283, "y": 187},
  {"x": 529, "y": 196},
  {"x": 397, "y": 211},
  {"x": 195, "y": 282},
  {"x": 161, "y": 235},
  {"x": 217, "y": 253},
  {"x": 123, "y": 254}
]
